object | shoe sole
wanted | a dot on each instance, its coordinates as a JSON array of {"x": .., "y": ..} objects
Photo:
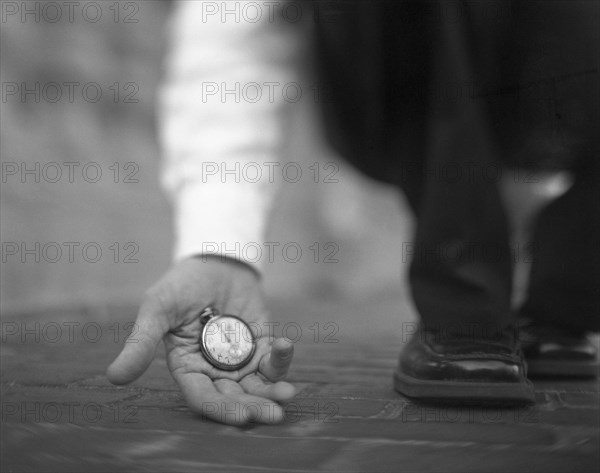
[
  {"x": 563, "y": 369},
  {"x": 455, "y": 392}
]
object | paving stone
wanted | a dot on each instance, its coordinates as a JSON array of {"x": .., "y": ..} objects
[
  {"x": 439, "y": 457},
  {"x": 73, "y": 448},
  {"x": 397, "y": 430},
  {"x": 574, "y": 417},
  {"x": 580, "y": 400},
  {"x": 156, "y": 377},
  {"x": 352, "y": 374},
  {"x": 567, "y": 386},
  {"x": 335, "y": 407},
  {"x": 52, "y": 365},
  {"x": 346, "y": 390}
]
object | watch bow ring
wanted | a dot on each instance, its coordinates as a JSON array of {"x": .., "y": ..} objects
[{"x": 226, "y": 341}]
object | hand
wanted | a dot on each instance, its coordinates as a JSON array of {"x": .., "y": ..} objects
[{"x": 170, "y": 312}]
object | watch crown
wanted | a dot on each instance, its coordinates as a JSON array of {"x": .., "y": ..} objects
[{"x": 208, "y": 313}]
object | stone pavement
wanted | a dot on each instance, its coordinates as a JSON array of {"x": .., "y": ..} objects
[{"x": 59, "y": 413}]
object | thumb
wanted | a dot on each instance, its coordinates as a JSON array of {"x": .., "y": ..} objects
[
  {"x": 275, "y": 364},
  {"x": 140, "y": 347}
]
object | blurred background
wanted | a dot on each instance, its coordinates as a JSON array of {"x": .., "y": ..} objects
[{"x": 123, "y": 212}]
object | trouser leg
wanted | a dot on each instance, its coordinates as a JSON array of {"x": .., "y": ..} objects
[
  {"x": 461, "y": 271},
  {"x": 564, "y": 288},
  {"x": 535, "y": 76},
  {"x": 555, "y": 121}
]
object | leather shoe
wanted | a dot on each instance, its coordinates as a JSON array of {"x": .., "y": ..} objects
[
  {"x": 552, "y": 352},
  {"x": 463, "y": 370}
]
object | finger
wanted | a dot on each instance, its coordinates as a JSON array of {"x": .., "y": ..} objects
[
  {"x": 203, "y": 398},
  {"x": 227, "y": 386},
  {"x": 279, "y": 391},
  {"x": 140, "y": 347},
  {"x": 275, "y": 364}
]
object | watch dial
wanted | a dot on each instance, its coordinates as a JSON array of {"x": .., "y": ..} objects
[{"x": 227, "y": 342}]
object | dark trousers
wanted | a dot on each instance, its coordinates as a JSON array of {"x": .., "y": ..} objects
[{"x": 443, "y": 98}]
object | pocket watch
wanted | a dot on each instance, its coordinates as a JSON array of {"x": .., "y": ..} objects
[{"x": 226, "y": 341}]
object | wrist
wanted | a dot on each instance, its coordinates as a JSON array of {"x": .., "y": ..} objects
[{"x": 227, "y": 263}]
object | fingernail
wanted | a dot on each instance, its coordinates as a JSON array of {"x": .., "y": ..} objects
[{"x": 277, "y": 415}]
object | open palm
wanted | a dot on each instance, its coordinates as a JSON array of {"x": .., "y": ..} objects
[{"x": 171, "y": 312}]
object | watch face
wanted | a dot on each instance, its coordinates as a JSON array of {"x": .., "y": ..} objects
[{"x": 227, "y": 342}]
